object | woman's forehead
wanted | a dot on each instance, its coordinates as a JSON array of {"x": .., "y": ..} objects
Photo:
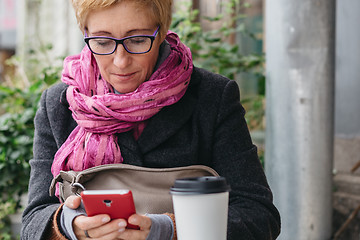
[{"x": 121, "y": 18}]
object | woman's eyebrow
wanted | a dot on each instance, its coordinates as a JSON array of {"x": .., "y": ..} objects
[
  {"x": 130, "y": 32},
  {"x": 100, "y": 33},
  {"x": 139, "y": 30}
]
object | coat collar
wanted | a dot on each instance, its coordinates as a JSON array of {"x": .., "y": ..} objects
[{"x": 166, "y": 123}]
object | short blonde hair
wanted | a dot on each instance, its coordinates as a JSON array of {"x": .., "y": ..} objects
[{"x": 160, "y": 10}]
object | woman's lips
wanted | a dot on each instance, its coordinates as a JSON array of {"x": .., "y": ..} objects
[{"x": 124, "y": 77}]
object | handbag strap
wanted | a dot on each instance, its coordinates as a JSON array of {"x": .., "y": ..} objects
[{"x": 68, "y": 176}]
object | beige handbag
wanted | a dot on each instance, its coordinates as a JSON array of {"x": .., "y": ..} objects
[{"x": 150, "y": 186}]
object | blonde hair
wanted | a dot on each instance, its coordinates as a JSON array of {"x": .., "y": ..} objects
[{"x": 160, "y": 10}]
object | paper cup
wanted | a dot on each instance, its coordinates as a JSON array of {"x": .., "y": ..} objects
[{"x": 201, "y": 208}]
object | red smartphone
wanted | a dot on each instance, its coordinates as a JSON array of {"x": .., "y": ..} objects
[{"x": 115, "y": 203}]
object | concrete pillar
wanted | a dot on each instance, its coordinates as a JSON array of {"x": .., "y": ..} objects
[{"x": 299, "y": 114}]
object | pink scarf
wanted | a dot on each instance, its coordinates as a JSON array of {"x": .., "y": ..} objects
[{"x": 100, "y": 113}]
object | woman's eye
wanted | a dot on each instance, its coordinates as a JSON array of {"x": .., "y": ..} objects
[
  {"x": 137, "y": 40},
  {"x": 103, "y": 42}
]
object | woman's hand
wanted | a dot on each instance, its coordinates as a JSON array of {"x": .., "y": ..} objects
[
  {"x": 102, "y": 227},
  {"x": 144, "y": 224}
]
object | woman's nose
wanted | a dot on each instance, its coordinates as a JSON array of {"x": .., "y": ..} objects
[{"x": 122, "y": 58}]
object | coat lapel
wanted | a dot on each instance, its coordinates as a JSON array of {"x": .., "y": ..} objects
[
  {"x": 167, "y": 122},
  {"x": 129, "y": 148}
]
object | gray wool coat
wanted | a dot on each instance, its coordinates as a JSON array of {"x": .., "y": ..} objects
[{"x": 206, "y": 126}]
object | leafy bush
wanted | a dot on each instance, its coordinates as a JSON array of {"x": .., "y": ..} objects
[
  {"x": 6, "y": 208},
  {"x": 18, "y": 102},
  {"x": 214, "y": 51}
]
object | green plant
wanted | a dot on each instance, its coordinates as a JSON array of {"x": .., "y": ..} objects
[
  {"x": 6, "y": 208},
  {"x": 19, "y": 101},
  {"x": 216, "y": 50}
]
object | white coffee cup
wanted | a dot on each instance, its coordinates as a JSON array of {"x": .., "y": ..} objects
[{"x": 201, "y": 208}]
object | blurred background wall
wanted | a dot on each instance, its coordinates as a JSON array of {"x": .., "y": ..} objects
[
  {"x": 347, "y": 97},
  {"x": 47, "y": 22},
  {"x": 346, "y": 200},
  {"x": 8, "y": 23}
]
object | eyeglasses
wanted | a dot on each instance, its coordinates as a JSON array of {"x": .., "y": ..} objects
[{"x": 137, "y": 44}]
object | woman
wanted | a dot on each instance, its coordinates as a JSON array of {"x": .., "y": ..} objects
[{"x": 133, "y": 96}]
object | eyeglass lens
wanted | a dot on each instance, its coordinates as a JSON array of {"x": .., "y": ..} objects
[{"x": 136, "y": 44}]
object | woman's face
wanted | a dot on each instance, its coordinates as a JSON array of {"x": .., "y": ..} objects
[{"x": 123, "y": 70}]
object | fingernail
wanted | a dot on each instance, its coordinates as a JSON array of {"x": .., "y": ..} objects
[
  {"x": 105, "y": 219},
  {"x": 122, "y": 224},
  {"x": 133, "y": 220},
  {"x": 121, "y": 229}
]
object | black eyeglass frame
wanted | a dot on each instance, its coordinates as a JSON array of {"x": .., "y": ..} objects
[{"x": 121, "y": 41}]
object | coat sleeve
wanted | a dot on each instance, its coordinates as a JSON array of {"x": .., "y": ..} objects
[
  {"x": 252, "y": 214},
  {"x": 37, "y": 217}
]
